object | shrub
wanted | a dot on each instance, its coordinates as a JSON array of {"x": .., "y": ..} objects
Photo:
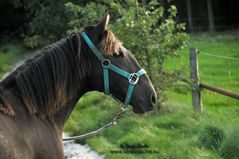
[
  {"x": 211, "y": 138},
  {"x": 48, "y": 22},
  {"x": 153, "y": 38},
  {"x": 230, "y": 146},
  {"x": 35, "y": 41},
  {"x": 82, "y": 16}
]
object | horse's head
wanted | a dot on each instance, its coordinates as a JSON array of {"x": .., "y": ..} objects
[{"x": 143, "y": 97}]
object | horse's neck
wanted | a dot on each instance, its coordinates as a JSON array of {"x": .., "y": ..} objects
[{"x": 61, "y": 117}]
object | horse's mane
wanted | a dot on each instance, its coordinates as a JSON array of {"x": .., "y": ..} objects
[{"x": 48, "y": 80}]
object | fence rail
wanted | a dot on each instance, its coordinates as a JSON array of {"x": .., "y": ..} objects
[
  {"x": 197, "y": 84},
  {"x": 219, "y": 90}
]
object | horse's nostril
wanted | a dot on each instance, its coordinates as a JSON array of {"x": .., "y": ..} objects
[{"x": 153, "y": 99}]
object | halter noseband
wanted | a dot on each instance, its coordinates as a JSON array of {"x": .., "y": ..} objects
[{"x": 106, "y": 64}]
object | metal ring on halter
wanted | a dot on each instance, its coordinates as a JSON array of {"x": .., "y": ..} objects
[
  {"x": 106, "y": 63},
  {"x": 134, "y": 78}
]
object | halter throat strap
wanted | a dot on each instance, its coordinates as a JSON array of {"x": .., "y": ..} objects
[{"x": 106, "y": 64}]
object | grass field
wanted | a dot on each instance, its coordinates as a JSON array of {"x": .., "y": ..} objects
[{"x": 176, "y": 131}]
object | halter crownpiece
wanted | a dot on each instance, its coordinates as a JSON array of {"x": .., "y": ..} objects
[{"x": 133, "y": 78}]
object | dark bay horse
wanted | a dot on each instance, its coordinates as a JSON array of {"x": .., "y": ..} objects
[{"x": 37, "y": 97}]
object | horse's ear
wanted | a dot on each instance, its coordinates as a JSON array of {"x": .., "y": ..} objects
[{"x": 102, "y": 25}]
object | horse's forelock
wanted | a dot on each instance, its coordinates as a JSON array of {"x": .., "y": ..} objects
[{"x": 109, "y": 44}]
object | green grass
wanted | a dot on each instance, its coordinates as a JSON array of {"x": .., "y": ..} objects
[{"x": 176, "y": 131}]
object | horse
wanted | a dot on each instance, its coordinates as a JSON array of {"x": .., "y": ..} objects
[{"x": 37, "y": 97}]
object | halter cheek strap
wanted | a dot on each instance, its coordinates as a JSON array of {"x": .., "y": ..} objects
[{"x": 106, "y": 64}]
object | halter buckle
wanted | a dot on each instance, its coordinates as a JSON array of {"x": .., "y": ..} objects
[
  {"x": 133, "y": 79},
  {"x": 106, "y": 63}
]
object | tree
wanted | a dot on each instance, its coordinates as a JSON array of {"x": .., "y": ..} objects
[
  {"x": 144, "y": 2},
  {"x": 48, "y": 21},
  {"x": 210, "y": 16},
  {"x": 153, "y": 42},
  {"x": 190, "y": 20}
]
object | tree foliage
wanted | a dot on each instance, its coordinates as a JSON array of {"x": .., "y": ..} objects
[
  {"x": 48, "y": 21},
  {"x": 152, "y": 39}
]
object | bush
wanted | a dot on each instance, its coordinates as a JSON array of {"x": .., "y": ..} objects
[
  {"x": 230, "y": 146},
  {"x": 35, "y": 41},
  {"x": 82, "y": 16},
  {"x": 48, "y": 22},
  {"x": 211, "y": 138}
]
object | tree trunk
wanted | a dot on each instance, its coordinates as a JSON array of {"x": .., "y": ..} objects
[
  {"x": 144, "y": 2},
  {"x": 210, "y": 16},
  {"x": 190, "y": 20},
  {"x": 136, "y": 10},
  {"x": 148, "y": 60},
  {"x": 163, "y": 3},
  {"x": 160, "y": 61}
]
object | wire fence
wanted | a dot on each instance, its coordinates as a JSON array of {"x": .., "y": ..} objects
[
  {"x": 198, "y": 85},
  {"x": 219, "y": 56}
]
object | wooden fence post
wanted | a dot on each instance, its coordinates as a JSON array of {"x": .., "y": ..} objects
[{"x": 194, "y": 76}]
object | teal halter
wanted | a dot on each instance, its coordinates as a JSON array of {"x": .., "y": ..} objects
[{"x": 106, "y": 64}]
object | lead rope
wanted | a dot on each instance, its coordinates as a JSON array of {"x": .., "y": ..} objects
[{"x": 97, "y": 131}]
